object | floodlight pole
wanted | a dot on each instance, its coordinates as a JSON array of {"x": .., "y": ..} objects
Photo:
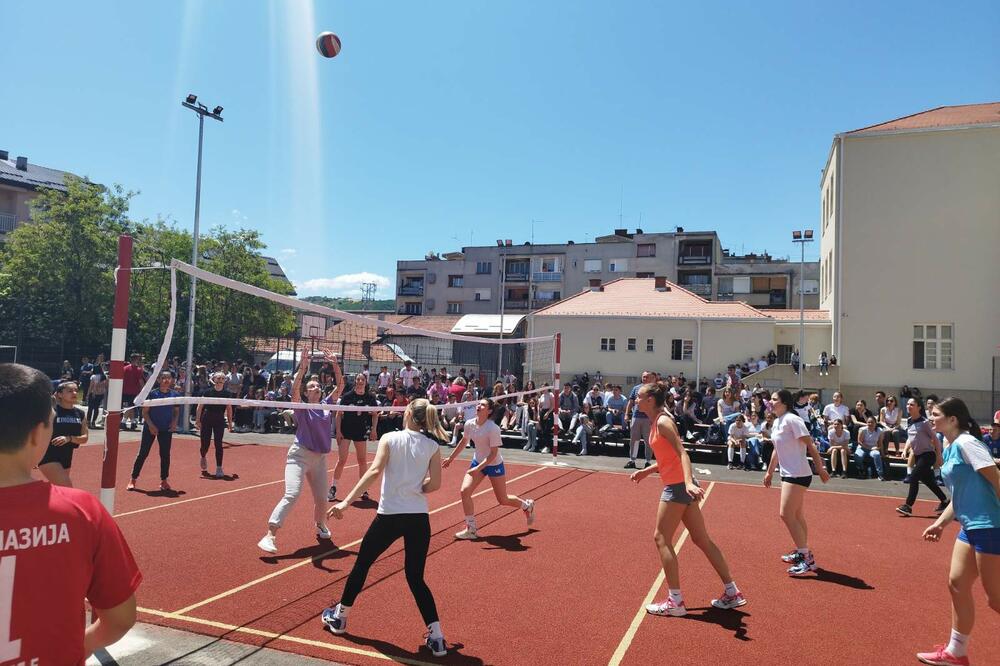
[
  {"x": 202, "y": 111},
  {"x": 802, "y": 237}
]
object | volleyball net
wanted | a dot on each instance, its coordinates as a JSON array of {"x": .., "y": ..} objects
[{"x": 362, "y": 342}]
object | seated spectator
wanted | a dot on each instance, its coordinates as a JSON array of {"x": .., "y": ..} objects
[
  {"x": 891, "y": 419},
  {"x": 438, "y": 392},
  {"x": 449, "y": 412},
  {"x": 416, "y": 390},
  {"x": 859, "y": 418},
  {"x": 593, "y": 406},
  {"x": 836, "y": 410},
  {"x": 614, "y": 415},
  {"x": 867, "y": 450},
  {"x": 584, "y": 429},
  {"x": 840, "y": 445},
  {"x": 992, "y": 439},
  {"x": 546, "y": 419},
  {"x": 569, "y": 409},
  {"x": 759, "y": 443},
  {"x": 727, "y": 408},
  {"x": 260, "y": 414},
  {"x": 468, "y": 413},
  {"x": 529, "y": 424},
  {"x": 738, "y": 435}
]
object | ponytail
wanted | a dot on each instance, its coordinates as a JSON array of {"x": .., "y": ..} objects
[{"x": 423, "y": 416}]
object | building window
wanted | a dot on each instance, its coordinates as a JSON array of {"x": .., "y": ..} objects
[
  {"x": 631, "y": 344},
  {"x": 483, "y": 294},
  {"x": 631, "y": 380},
  {"x": 645, "y": 250},
  {"x": 649, "y": 344},
  {"x": 681, "y": 350},
  {"x": 618, "y": 265},
  {"x": 413, "y": 308},
  {"x": 591, "y": 265},
  {"x": 933, "y": 347},
  {"x": 607, "y": 344},
  {"x": 484, "y": 267},
  {"x": 741, "y": 285},
  {"x": 645, "y": 275},
  {"x": 454, "y": 308},
  {"x": 455, "y": 280}
]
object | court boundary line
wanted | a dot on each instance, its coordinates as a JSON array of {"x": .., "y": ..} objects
[
  {"x": 284, "y": 637},
  {"x": 818, "y": 489},
  {"x": 313, "y": 558},
  {"x": 633, "y": 628},
  {"x": 219, "y": 494}
]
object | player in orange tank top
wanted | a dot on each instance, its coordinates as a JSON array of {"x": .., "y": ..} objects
[{"x": 678, "y": 503}]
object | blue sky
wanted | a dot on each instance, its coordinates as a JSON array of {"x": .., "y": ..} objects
[{"x": 445, "y": 122}]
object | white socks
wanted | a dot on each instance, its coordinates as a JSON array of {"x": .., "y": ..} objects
[
  {"x": 909, "y": 470},
  {"x": 435, "y": 629},
  {"x": 470, "y": 522},
  {"x": 803, "y": 551},
  {"x": 729, "y": 454},
  {"x": 341, "y": 610},
  {"x": 676, "y": 597},
  {"x": 958, "y": 645},
  {"x": 743, "y": 456},
  {"x": 731, "y": 588}
]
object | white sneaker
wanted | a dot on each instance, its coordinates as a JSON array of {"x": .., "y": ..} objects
[
  {"x": 267, "y": 544},
  {"x": 323, "y": 532},
  {"x": 529, "y": 511},
  {"x": 204, "y": 464},
  {"x": 468, "y": 533}
]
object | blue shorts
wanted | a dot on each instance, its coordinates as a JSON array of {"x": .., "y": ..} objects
[
  {"x": 492, "y": 470},
  {"x": 983, "y": 541}
]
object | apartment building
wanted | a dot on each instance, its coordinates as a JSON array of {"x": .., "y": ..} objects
[
  {"x": 910, "y": 226},
  {"x": 522, "y": 278},
  {"x": 19, "y": 184}
]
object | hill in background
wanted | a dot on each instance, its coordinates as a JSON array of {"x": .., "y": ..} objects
[{"x": 350, "y": 303}]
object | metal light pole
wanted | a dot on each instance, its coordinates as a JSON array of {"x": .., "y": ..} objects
[
  {"x": 802, "y": 237},
  {"x": 503, "y": 293},
  {"x": 191, "y": 102}
]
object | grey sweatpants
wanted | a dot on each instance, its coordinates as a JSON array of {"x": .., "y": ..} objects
[{"x": 302, "y": 465}]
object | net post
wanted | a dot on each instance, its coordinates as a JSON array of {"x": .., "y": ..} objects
[{"x": 117, "y": 371}]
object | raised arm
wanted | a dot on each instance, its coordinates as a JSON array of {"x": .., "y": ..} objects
[{"x": 300, "y": 373}]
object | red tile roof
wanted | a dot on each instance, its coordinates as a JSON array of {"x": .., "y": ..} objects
[
  {"x": 943, "y": 116},
  {"x": 637, "y": 297},
  {"x": 793, "y": 315}
]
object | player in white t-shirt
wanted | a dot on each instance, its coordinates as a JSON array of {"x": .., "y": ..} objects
[
  {"x": 408, "y": 373},
  {"x": 486, "y": 462},
  {"x": 792, "y": 443}
]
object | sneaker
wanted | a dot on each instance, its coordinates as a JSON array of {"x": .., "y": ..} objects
[
  {"x": 941, "y": 507},
  {"x": 165, "y": 486},
  {"x": 939, "y": 480},
  {"x": 545, "y": 450},
  {"x": 323, "y": 532},
  {"x": 468, "y": 533},
  {"x": 435, "y": 645},
  {"x": 802, "y": 566},
  {"x": 730, "y": 466},
  {"x": 645, "y": 464},
  {"x": 904, "y": 509},
  {"x": 131, "y": 485},
  {"x": 630, "y": 464},
  {"x": 791, "y": 557},
  {"x": 267, "y": 544},
  {"x": 204, "y": 464},
  {"x": 727, "y": 601},
  {"x": 941, "y": 657},
  {"x": 332, "y": 495},
  {"x": 529, "y": 511},
  {"x": 906, "y": 479},
  {"x": 337, "y": 625},
  {"x": 219, "y": 474},
  {"x": 667, "y": 607}
]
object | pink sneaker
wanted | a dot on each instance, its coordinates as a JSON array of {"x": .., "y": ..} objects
[
  {"x": 941, "y": 657},
  {"x": 667, "y": 607},
  {"x": 727, "y": 601}
]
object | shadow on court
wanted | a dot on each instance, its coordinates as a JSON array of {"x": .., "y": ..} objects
[
  {"x": 509, "y": 542},
  {"x": 324, "y": 550},
  {"x": 827, "y": 576},
  {"x": 733, "y": 620},
  {"x": 173, "y": 493},
  {"x": 393, "y": 651}
]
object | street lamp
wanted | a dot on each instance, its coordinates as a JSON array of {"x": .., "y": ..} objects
[
  {"x": 802, "y": 237},
  {"x": 191, "y": 102}
]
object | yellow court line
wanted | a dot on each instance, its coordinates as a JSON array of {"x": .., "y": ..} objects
[
  {"x": 284, "y": 637},
  {"x": 313, "y": 558},
  {"x": 205, "y": 497},
  {"x": 626, "y": 641}
]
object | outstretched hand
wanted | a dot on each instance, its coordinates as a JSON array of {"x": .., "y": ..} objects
[
  {"x": 337, "y": 510},
  {"x": 933, "y": 533}
]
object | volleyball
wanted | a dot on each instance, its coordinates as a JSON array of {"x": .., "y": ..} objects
[{"x": 328, "y": 44}]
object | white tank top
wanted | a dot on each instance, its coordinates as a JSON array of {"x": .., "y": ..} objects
[{"x": 410, "y": 453}]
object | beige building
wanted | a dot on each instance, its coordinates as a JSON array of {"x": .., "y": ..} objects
[
  {"x": 19, "y": 184},
  {"x": 909, "y": 238}
]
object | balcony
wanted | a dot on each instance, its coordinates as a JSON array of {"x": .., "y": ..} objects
[
  {"x": 521, "y": 304},
  {"x": 693, "y": 260},
  {"x": 543, "y": 303},
  {"x": 547, "y": 276},
  {"x": 519, "y": 276},
  {"x": 411, "y": 289},
  {"x": 700, "y": 289},
  {"x": 7, "y": 222}
]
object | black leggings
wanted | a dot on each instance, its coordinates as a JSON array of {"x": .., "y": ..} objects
[
  {"x": 923, "y": 471},
  {"x": 415, "y": 528},
  {"x": 93, "y": 409},
  {"x": 212, "y": 424},
  {"x": 164, "y": 439}
]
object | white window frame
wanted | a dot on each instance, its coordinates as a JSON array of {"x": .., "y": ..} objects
[
  {"x": 742, "y": 284},
  {"x": 631, "y": 344},
  {"x": 687, "y": 349},
  {"x": 938, "y": 350},
  {"x": 455, "y": 307},
  {"x": 484, "y": 268},
  {"x": 592, "y": 266},
  {"x": 607, "y": 344},
  {"x": 484, "y": 294},
  {"x": 618, "y": 265},
  {"x": 650, "y": 346}
]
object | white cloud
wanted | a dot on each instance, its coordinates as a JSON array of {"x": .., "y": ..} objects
[
  {"x": 238, "y": 215},
  {"x": 287, "y": 252},
  {"x": 348, "y": 285}
]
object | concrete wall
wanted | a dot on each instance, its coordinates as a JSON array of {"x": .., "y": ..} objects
[
  {"x": 817, "y": 339},
  {"x": 920, "y": 228}
]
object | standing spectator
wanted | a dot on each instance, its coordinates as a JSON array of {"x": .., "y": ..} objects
[
  {"x": 134, "y": 378},
  {"x": 824, "y": 364},
  {"x": 639, "y": 424},
  {"x": 772, "y": 358},
  {"x": 86, "y": 370},
  {"x": 95, "y": 396},
  {"x": 88, "y": 558},
  {"x": 992, "y": 439},
  {"x": 69, "y": 431},
  {"x": 67, "y": 374},
  {"x": 719, "y": 381},
  {"x": 384, "y": 379},
  {"x": 408, "y": 373},
  {"x": 795, "y": 361},
  {"x": 160, "y": 424},
  {"x": 211, "y": 420}
]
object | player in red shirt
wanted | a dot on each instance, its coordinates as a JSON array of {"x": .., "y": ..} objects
[
  {"x": 132, "y": 380},
  {"x": 58, "y": 546}
]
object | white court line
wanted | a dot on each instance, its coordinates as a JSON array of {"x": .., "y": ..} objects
[
  {"x": 312, "y": 558},
  {"x": 626, "y": 641}
]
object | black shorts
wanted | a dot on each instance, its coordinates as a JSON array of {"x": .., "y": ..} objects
[
  {"x": 355, "y": 432},
  {"x": 58, "y": 454},
  {"x": 804, "y": 481}
]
